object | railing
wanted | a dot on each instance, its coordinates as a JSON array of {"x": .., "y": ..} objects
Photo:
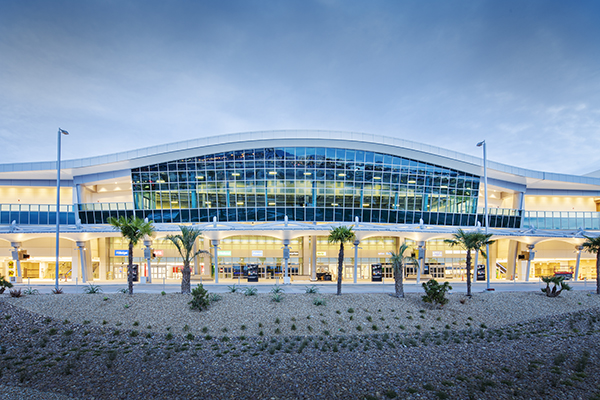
[
  {"x": 98, "y": 213},
  {"x": 561, "y": 220},
  {"x": 36, "y": 214}
]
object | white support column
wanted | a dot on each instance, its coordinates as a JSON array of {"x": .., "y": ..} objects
[
  {"x": 421, "y": 256},
  {"x": 195, "y": 250},
  {"x": 579, "y": 249},
  {"x": 148, "y": 256},
  {"x": 286, "y": 257},
  {"x": 356, "y": 243},
  {"x": 530, "y": 248},
  {"x": 82, "y": 263},
  {"x": 215, "y": 244},
  {"x": 313, "y": 269},
  {"x": 15, "y": 256}
]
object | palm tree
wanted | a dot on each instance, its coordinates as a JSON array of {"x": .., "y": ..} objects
[
  {"x": 133, "y": 229},
  {"x": 184, "y": 243},
  {"x": 341, "y": 235},
  {"x": 398, "y": 260},
  {"x": 470, "y": 241},
  {"x": 592, "y": 245}
]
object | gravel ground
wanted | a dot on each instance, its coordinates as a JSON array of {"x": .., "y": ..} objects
[{"x": 494, "y": 346}]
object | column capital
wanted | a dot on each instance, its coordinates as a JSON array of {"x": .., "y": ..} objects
[
  {"x": 215, "y": 242},
  {"x": 531, "y": 246},
  {"x": 16, "y": 245}
]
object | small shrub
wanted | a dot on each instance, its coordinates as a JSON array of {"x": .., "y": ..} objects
[
  {"x": 163, "y": 293},
  {"x": 233, "y": 288},
  {"x": 213, "y": 297},
  {"x": 123, "y": 290},
  {"x": 435, "y": 293},
  {"x": 277, "y": 289},
  {"x": 57, "y": 291},
  {"x": 558, "y": 283},
  {"x": 92, "y": 289},
  {"x": 311, "y": 289},
  {"x": 200, "y": 299},
  {"x": 276, "y": 297},
  {"x": 319, "y": 302},
  {"x": 351, "y": 310},
  {"x": 15, "y": 293},
  {"x": 250, "y": 291},
  {"x": 30, "y": 291},
  {"x": 4, "y": 284}
]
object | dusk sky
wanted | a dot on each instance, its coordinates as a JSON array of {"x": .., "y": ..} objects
[{"x": 120, "y": 75}]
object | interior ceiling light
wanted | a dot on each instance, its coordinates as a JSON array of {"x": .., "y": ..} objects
[
  {"x": 307, "y": 173},
  {"x": 235, "y": 174},
  {"x": 376, "y": 177},
  {"x": 272, "y": 173}
]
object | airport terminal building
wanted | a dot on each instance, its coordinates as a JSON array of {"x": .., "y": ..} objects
[{"x": 268, "y": 199}]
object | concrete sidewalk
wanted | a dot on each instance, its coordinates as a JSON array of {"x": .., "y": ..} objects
[{"x": 172, "y": 286}]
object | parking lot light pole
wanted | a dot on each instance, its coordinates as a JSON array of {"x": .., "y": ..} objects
[
  {"x": 486, "y": 221},
  {"x": 60, "y": 133}
]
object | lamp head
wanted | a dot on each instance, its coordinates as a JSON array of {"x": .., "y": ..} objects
[
  {"x": 63, "y": 131},
  {"x": 481, "y": 143}
]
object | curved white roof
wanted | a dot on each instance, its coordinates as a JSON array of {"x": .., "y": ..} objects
[{"x": 119, "y": 163}]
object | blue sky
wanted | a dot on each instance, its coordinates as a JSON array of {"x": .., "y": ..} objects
[{"x": 119, "y": 75}]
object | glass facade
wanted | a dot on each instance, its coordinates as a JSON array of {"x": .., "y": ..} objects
[{"x": 305, "y": 184}]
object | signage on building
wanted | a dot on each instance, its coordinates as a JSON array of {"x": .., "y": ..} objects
[
  {"x": 437, "y": 254},
  {"x": 321, "y": 254},
  {"x": 158, "y": 253},
  {"x": 224, "y": 253},
  {"x": 257, "y": 253},
  {"x": 121, "y": 253},
  {"x": 293, "y": 253},
  {"x": 383, "y": 254}
]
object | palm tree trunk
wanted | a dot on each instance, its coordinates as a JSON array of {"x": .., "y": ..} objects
[
  {"x": 340, "y": 265},
  {"x": 469, "y": 273},
  {"x": 398, "y": 280},
  {"x": 185, "y": 278},
  {"x": 130, "y": 268}
]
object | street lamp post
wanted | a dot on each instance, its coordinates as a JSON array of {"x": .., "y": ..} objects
[
  {"x": 60, "y": 133},
  {"x": 486, "y": 221}
]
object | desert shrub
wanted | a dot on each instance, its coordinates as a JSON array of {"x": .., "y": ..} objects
[
  {"x": 214, "y": 297},
  {"x": 16, "y": 293},
  {"x": 92, "y": 289},
  {"x": 250, "y": 291},
  {"x": 30, "y": 291},
  {"x": 276, "y": 297},
  {"x": 277, "y": 289},
  {"x": 558, "y": 285},
  {"x": 319, "y": 302},
  {"x": 435, "y": 293},
  {"x": 4, "y": 284},
  {"x": 200, "y": 298},
  {"x": 312, "y": 289},
  {"x": 57, "y": 291}
]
